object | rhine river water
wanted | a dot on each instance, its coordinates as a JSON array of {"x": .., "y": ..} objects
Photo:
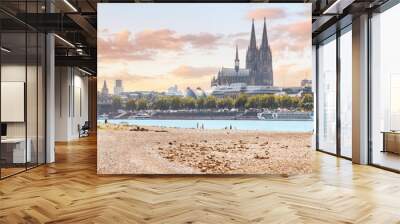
[{"x": 254, "y": 125}]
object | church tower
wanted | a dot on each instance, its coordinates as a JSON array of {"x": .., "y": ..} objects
[
  {"x": 258, "y": 64},
  {"x": 264, "y": 66},
  {"x": 104, "y": 89},
  {"x": 237, "y": 60},
  {"x": 252, "y": 53}
]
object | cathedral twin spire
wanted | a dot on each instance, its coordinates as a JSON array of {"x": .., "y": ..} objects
[
  {"x": 258, "y": 69},
  {"x": 259, "y": 59},
  {"x": 253, "y": 44},
  {"x": 253, "y": 52},
  {"x": 264, "y": 40}
]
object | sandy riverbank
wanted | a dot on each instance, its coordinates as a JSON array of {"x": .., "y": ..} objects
[{"x": 126, "y": 149}]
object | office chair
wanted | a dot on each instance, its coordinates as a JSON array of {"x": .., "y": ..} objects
[{"x": 84, "y": 130}]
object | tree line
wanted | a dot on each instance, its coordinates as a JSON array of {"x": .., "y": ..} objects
[{"x": 242, "y": 101}]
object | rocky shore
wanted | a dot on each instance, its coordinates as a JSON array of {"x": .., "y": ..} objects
[{"x": 124, "y": 149}]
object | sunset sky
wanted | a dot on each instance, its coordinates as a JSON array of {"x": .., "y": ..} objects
[{"x": 155, "y": 46}]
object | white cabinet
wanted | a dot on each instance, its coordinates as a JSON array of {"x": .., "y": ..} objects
[{"x": 19, "y": 155}]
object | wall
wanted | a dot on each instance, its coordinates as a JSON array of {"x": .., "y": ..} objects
[
  {"x": 33, "y": 127},
  {"x": 71, "y": 102},
  {"x": 12, "y": 73},
  {"x": 92, "y": 91}
]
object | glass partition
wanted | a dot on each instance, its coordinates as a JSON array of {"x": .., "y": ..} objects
[
  {"x": 327, "y": 95},
  {"x": 346, "y": 93},
  {"x": 13, "y": 114},
  {"x": 22, "y": 78},
  {"x": 385, "y": 89},
  {"x": 41, "y": 110},
  {"x": 32, "y": 87},
  {"x": 31, "y": 97}
]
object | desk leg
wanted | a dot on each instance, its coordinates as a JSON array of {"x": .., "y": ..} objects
[{"x": 384, "y": 142}]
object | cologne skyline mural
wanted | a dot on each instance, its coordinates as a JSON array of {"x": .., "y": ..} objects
[
  {"x": 204, "y": 89},
  {"x": 190, "y": 49}
]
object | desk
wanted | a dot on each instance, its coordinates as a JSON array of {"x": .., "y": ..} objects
[
  {"x": 391, "y": 141},
  {"x": 16, "y": 147}
]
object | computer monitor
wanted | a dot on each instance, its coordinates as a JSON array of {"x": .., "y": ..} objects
[{"x": 3, "y": 129}]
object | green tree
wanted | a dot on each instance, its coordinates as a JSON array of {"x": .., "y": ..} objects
[
  {"x": 307, "y": 102},
  {"x": 220, "y": 103},
  {"x": 225, "y": 103},
  {"x": 131, "y": 105},
  {"x": 142, "y": 104},
  {"x": 201, "y": 103},
  {"x": 211, "y": 102},
  {"x": 188, "y": 103},
  {"x": 274, "y": 102},
  {"x": 161, "y": 103},
  {"x": 175, "y": 103},
  {"x": 229, "y": 103},
  {"x": 284, "y": 101},
  {"x": 116, "y": 103},
  {"x": 269, "y": 101},
  {"x": 252, "y": 102},
  {"x": 295, "y": 102},
  {"x": 240, "y": 101}
]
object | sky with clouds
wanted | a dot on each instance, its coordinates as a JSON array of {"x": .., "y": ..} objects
[{"x": 154, "y": 46}]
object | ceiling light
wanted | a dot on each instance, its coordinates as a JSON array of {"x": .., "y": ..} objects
[
  {"x": 337, "y": 7},
  {"x": 5, "y": 50},
  {"x": 70, "y": 5},
  {"x": 331, "y": 7},
  {"x": 80, "y": 51},
  {"x": 84, "y": 71},
  {"x": 64, "y": 40}
]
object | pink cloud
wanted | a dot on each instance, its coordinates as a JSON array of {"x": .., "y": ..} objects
[
  {"x": 183, "y": 76},
  {"x": 238, "y": 35},
  {"x": 120, "y": 46},
  {"x": 291, "y": 37},
  {"x": 242, "y": 43},
  {"x": 163, "y": 39},
  {"x": 300, "y": 29},
  {"x": 146, "y": 44},
  {"x": 126, "y": 76},
  {"x": 290, "y": 74},
  {"x": 295, "y": 37},
  {"x": 306, "y": 13},
  {"x": 202, "y": 40},
  {"x": 273, "y": 13},
  {"x": 190, "y": 72}
]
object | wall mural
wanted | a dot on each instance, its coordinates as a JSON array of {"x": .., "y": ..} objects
[{"x": 204, "y": 89}]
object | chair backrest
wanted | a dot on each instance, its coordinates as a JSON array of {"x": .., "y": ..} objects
[{"x": 86, "y": 125}]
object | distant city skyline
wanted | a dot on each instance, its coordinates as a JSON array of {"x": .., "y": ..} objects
[
  {"x": 187, "y": 49},
  {"x": 302, "y": 83}
]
